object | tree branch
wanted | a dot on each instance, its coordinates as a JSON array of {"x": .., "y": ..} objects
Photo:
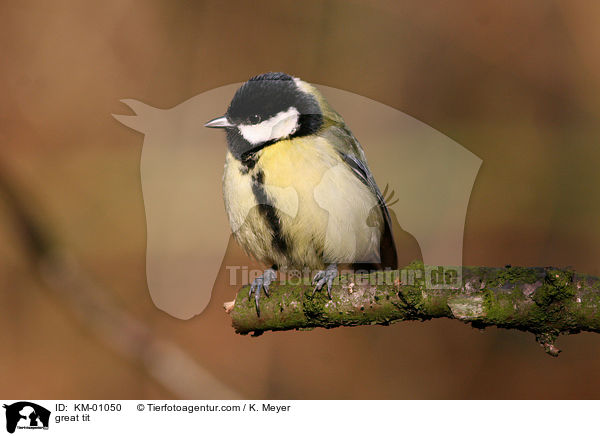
[{"x": 544, "y": 301}]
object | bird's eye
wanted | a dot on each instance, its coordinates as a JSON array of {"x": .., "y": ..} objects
[{"x": 255, "y": 119}]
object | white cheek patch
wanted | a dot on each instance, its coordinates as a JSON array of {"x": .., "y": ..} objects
[{"x": 279, "y": 126}]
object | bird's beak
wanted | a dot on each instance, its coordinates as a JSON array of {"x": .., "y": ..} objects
[{"x": 220, "y": 122}]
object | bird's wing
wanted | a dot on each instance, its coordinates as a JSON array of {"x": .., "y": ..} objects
[{"x": 352, "y": 154}]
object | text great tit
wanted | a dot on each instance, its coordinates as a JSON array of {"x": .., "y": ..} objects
[{"x": 281, "y": 134}]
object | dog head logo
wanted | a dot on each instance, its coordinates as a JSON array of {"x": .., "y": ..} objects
[
  {"x": 26, "y": 415},
  {"x": 182, "y": 168}
]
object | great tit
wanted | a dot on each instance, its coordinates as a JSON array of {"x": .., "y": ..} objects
[{"x": 281, "y": 134}]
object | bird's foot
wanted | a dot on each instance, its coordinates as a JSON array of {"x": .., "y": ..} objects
[
  {"x": 262, "y": 282},
  {"x": 325, "y": 276}
]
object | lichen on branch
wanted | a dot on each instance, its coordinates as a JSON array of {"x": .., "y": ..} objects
[{"x": 546, "y": 301}]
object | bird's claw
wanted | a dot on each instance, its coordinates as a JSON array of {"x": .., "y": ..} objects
[
  {"x": 261, "y": 282},
  {"x": 326, "y": 276}
]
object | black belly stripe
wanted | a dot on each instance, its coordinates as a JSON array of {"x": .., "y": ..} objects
[
  {"x": 268, "y": 212},
  {"x": 248, "y": 163}
]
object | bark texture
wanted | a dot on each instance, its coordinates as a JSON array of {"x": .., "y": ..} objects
[{"x": 544, "y": 301}]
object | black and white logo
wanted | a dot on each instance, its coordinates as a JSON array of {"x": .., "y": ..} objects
[{"x": 26, "y": 415}]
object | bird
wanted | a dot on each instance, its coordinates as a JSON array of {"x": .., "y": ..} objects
[{"x": 281, "y": 133}]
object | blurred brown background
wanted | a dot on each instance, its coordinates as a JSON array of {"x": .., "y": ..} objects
[{"x": 516, "y": 83}]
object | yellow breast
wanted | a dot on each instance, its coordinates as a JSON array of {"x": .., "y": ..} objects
[{"x": 322, "y": 206}]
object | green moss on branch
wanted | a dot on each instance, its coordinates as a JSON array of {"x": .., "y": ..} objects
[{"x": 547, "y": 302}]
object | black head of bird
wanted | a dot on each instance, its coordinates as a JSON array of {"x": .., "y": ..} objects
[{"x": 266, "y": 109}]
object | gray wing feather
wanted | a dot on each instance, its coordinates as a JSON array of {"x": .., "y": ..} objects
[{"x": 353, "y": 155}]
